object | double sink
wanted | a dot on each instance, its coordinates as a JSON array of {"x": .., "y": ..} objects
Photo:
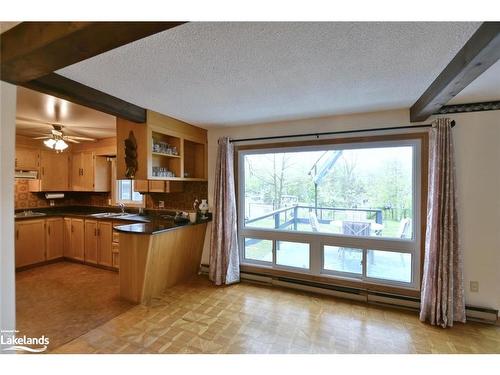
[{"x": 100, "y": 215}]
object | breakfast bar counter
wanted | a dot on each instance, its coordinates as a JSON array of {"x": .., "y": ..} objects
[{"x": 157, "y": 255}]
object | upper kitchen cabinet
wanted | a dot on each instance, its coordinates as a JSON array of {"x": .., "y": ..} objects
[
  {"x": 54, "y": 172},
  {"x": 161, "y": 149},
  {"x": 27, "y": 158},
  {"x": 90, "y": 172}
]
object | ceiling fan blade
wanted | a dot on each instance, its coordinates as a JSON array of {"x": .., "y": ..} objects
[
  {"x": 70, "y": 140},
  {"x": 79, "y": 138},
  {"x": 45, "y": 137}
]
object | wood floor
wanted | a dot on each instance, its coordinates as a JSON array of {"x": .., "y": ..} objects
[
  {"x": 65, "y": 300},
  {"x": 246, "y": 318}
]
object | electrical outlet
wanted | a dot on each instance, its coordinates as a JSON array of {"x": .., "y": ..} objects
[
  {"x": 474, "y": 286},
  {"x": 161, "y": 204}
]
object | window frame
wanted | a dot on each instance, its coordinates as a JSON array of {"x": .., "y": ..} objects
[
  {"x": 115, "y": 191},
  {"x": 317, "y": 240}
]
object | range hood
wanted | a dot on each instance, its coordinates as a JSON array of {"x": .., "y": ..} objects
[{"x": 26, "y": 175}]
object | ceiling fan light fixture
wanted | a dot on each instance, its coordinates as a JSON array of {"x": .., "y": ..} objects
[
  {"x": 50, "y": 143},
  {"x": 60, "y": 145}
]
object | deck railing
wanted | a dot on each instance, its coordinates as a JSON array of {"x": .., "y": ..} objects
[{"x": 292, "y": 215}]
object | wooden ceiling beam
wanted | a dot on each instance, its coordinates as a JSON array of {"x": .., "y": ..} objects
[
  {"x": 480, "y": 52},
  {"x": 65, "y": 88},
  {"x": 32, "y": 50}
]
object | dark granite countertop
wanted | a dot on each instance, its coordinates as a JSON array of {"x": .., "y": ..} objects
[
  {"x": 151, "y": 222},
  {"x": 154, "y": 227}
]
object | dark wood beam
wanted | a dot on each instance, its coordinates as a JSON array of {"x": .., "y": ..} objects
[
  {"x": 32, "y": 50},
  {"x": 480, "y": 52},
  {"x": 65, "y": 88}
]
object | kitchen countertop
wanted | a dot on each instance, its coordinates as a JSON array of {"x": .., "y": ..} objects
[
  {"x": 150, "y": 223},
  {"x": 154, "y": 227}
]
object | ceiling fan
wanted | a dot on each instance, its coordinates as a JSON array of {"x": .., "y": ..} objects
[{"x": 56, "y": 140}]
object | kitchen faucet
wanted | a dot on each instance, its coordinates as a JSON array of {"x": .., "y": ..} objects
[{"x": 122, "y": 207}]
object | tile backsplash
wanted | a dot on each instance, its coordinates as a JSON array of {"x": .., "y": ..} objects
[{"x": 24, "y": 199}]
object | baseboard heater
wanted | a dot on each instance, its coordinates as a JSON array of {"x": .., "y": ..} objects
[{"x": 479, "y": 314}]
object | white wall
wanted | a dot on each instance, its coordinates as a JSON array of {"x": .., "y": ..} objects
[
  {"x": 477, "y": 139},
  {"x": 7, "y": 141},
  {"x": 477, "y": 150}
]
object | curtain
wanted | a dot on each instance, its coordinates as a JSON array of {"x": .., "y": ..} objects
[
  {"x": 224, "y": 256},
  {"x": 442, "y": 296}
]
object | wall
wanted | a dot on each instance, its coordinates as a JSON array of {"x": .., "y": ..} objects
[
  {"x": 477, "y": 137},
  {"x": 179, "y": 201},
  {"x": 7, "y": 140}
]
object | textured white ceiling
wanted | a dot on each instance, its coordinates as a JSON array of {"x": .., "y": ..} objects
[
  {"x": 242, "y": 73},
  {"x": 485, "y": 88}
]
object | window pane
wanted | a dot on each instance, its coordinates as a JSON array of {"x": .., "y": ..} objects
[
  {"x": 343, "y": 259},
  {"x": 355, "y": 192},
  {"x": 292, "y": 254},
  {"x": 388, "y": 265},
  {"x": 257, "y": 249},
  {"x": 125, "y": 190}
]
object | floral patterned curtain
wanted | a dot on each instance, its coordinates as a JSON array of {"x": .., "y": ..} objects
[
  {"x": 224, "y": 256},
  {"x": 442, "y": 296}
]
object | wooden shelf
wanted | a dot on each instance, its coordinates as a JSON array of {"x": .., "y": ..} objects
[{"x": 165, "y": 155}]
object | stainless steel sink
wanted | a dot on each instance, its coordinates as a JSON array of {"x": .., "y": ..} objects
[
  {"x": 113, "y": 214},
  {"x": 29, "y": 213}
]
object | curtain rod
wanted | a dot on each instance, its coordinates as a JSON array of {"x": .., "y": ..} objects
[{"x": 317, "y": 135}]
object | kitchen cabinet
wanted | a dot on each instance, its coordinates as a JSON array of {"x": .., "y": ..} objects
[
  {"x": 30, "y": 242},
  {"x": 54, "y": 243},
  {"x": 167, "y": 149},
  {"x": 27, "y": 158},
  {"x": 74, "y": 238},
  {"x": 141, "y": 186},
  {"x": 90, "y": 172},
  {"x": 98, "y": 242},
  {"x": 54, "y": 172},
  {"x": 156, "y": 186},
  {"x": 105, "y": 243},
  {"x": 91, "y": 240}
]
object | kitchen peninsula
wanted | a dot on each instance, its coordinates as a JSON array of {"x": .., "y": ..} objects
[{"x": 157, "y": 255}]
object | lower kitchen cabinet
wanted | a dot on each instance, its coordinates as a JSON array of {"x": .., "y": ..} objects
[
  {"x": 54, "y": 238},
  {"x": 104, "y": 244},
  {"x": 74, "y": 238},
  {"x": 30, "y": 242},
  {"x": 91, "y": 240}
]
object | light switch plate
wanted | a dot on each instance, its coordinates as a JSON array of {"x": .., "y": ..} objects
[{"x": 474, "y": 286}]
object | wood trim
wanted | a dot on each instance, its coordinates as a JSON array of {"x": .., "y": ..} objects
[
  {"x": 332, "y": 280},
  {"x": 334, "y": 141},
  {"x": 480, "y": 52},
  {"x": 32, "y": 50},
  {"x": 65, "y": 88}
]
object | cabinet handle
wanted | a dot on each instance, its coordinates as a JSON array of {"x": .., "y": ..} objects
[
  {"x": 48, "y": 229},
  {"x": 17, "y": 234},
  {"x": 72, "y": 229},
  {"x": 43, "y": 171}
]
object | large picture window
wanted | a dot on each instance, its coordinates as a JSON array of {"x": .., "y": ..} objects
[{"x": 348, "y": 209}]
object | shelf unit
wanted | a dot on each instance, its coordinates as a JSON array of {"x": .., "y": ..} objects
[{"x": 190, "y": 164}]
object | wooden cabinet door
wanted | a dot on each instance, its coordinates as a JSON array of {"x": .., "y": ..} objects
[
  {"x": 67, "y": 237},
  {"x": 54, "y": 171},
  {"x": 105, "y": 252},
  {"x": 54, "y": 238},
  {"x": 88, "y": 171},
  {"x": 141, "y": 186},
  {"x": 27, "y": 158},
  {"x": 156, "y": 186},
  {"x": 77, "y": 239},
  {"x": 30, "y": 242},
  {"x": 76, "y": 172},
  {"x": 91, "y": 241},
  {"x": 102, "y": 174}
]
